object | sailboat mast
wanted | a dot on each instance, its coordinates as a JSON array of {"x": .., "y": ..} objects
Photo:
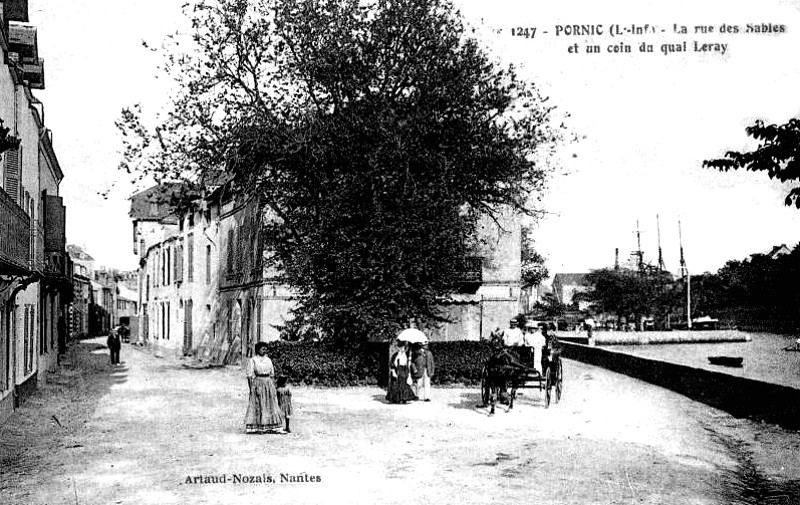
[
  {"x": 639, "y": 254},
  {"x": 661, "y": 266}
]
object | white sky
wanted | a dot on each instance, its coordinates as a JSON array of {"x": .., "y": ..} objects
[{"x": 646, "y": 121}]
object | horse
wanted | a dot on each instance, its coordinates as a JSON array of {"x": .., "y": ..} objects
[{"x": 502, "y": 371}]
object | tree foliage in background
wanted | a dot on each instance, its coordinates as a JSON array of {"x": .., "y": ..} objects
[
  {"x": 760, "y": 283},
  {"x": 550, "y": 307},
  {"x": 778, "y": 154},
  {"x": 632, "y": 293},
  {"x": 373, "y": 133},
  {"x": 534, "y": 270}
]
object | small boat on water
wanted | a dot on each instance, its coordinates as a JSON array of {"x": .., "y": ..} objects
[{"x": 735, "y": 361}]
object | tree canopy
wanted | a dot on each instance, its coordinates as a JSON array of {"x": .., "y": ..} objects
[
  {"x": 374, "y": 134},
  {"x": 625, "y": 292},
  {"x": 778, "y": 154}
]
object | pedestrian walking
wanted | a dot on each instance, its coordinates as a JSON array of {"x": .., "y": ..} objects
[
  {"x": 114, "y": 344},
  {"x": 422, "y": 370},
  {"x": 263, "y": 411},
  {"x": 285, "y": 399},
  {"x": 399, "y": 390}
]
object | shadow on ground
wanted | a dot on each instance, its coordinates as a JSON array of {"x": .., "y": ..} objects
[{"x": 56, "y": 410}]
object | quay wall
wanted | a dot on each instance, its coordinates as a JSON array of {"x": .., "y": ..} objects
[{"x": 739, "y": 396}]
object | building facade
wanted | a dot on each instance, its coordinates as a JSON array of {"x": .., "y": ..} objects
[
  {"x": 35, "y": 271},
  {"x": 205, "y": 289}
]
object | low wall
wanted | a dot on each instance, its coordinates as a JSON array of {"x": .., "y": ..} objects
[
  {"x": 658, "y": 337},
  {"x": 739, "y": 396}
]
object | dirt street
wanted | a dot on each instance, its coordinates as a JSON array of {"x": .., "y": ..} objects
[{"x": 153, "y": 432}]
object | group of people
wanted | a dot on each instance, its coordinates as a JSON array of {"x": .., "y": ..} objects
[
  {"x": 529, "y": 343},
  {"x": 410, "y": 371},
  {"x": 269, "y": 408}
]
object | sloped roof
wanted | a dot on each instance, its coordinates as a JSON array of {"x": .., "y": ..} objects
[
  {"x": 77, "y": 253},
  {"x": 778, "y": 250},
  {"x": 157, "y": 202},
  {"x": 126, "y": 293}
]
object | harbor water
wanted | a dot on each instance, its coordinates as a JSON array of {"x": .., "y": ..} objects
[{"x": 764, "y": 356}]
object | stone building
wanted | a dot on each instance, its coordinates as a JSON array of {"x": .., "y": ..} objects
[
  {"x": 205, "y": 291},
  {"x": 83, "y": 295},
  {"x": 35, "y": 271}
]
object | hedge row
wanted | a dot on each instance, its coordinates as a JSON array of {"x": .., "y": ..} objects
[
  {"x": 322, "y": 365},
  {"x": 318, "y": 364},
  {"x": 459, "y": 362}
]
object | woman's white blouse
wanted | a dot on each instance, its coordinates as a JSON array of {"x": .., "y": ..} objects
[
  {"x": 259, "y": 365},
  {"x": 401, "y": 360}
]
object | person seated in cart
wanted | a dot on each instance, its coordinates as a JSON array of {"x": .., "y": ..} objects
[
  {"x": 551, "y": 350},
  {"x": 535, "y": 343},
  {"x": 513, "y": 336}
]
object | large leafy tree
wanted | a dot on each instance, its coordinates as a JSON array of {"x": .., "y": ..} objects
[
  {"x": 778, "y": 154},
  {"x": 374, "y": 134},
  {"x": 632, "y": 293}
]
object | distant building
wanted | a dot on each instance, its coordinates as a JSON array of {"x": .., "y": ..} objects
[
  {"x": 83, "y": 296},
  {"x": 566, "y": 286},
  {"x": 777, "y": 251}
]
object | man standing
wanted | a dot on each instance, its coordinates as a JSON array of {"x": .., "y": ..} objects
[
  {"x": 114, "y": 344},
  {"x": 421, "y": 371}
]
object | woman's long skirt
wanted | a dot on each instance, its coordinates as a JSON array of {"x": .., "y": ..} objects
[
  {"x": 399, "y": 391},
  {"x": 263, "y": 411}
]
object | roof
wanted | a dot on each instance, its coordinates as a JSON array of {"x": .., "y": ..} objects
[
  {"x": 159, "y": 201},
  {"x": 125, "y": 293},
  {"x": 778, "y": 250},
  {"x": 571, "y": 279},
  {"x": 77, "y": 253}
]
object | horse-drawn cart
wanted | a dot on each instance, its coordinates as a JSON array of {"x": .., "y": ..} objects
[{"x": 507, "y": 371}]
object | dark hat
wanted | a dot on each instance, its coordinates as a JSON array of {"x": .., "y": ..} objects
[{"x": 260, "y": 345}]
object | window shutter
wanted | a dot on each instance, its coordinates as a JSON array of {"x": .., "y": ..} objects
[
  {"x": 190, "y": 257},
  {"x": 12, "y": 173}
]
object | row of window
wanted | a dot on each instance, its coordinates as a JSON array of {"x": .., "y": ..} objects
[{"x": 167, "y": 268}]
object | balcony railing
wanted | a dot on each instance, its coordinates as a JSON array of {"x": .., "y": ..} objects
[
  {"x": 55, "y": 264},
  {"x": 15, "y": 237},
  {"x": 471, "y": 271}
]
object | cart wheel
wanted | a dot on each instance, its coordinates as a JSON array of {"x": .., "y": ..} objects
[
  {"x": 486, "y": 394},
  {"x": 547, "y": 385},
  {"x": 559, "y": 381}
]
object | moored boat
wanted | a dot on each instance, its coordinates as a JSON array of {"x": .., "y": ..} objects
[{"x": 726, "y": 360}]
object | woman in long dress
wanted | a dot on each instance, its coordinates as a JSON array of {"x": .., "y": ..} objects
[
  {"x": 399, "y": 390},
  {"x": 263, "y": 412}
]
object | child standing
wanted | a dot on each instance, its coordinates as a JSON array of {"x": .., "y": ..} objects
[{"x": 285, "y": 399}]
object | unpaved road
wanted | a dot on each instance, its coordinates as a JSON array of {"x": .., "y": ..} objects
[{"x": 137, "y": 433}]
